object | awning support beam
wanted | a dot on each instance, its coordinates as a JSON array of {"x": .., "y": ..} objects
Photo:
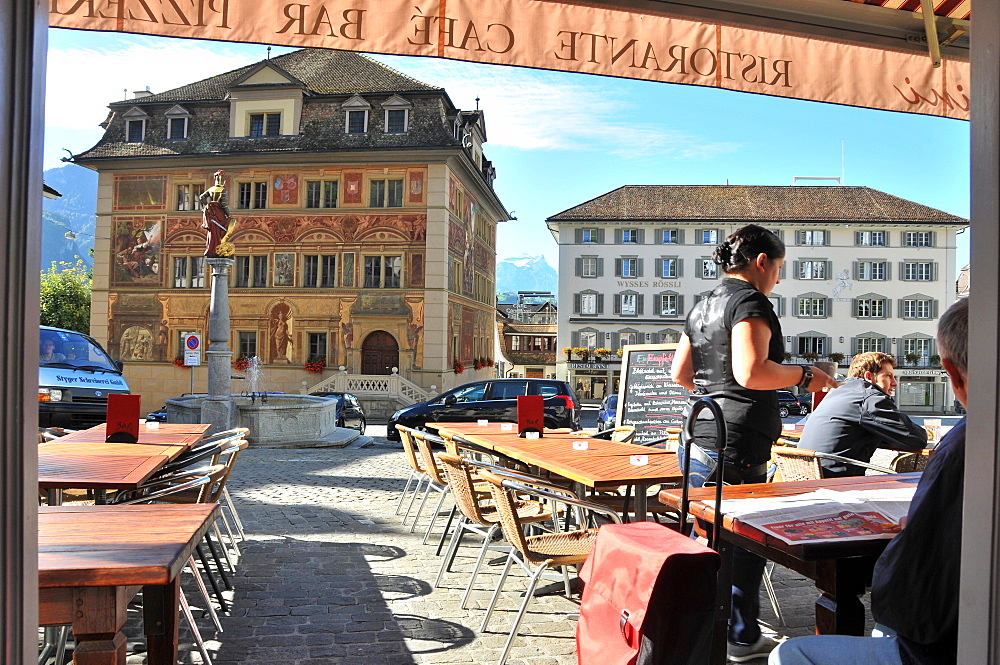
[{"x": 930, "y": 27}]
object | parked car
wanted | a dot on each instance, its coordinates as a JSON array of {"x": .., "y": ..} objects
[
  {"x": 805, "y": 403},
  {"x": 350, "y": 413},
  {"x": 158, "y": 416},
  {"x": 607, "y": 413},
  {"x": 788, "y": 404},
  {"x": 494, "y": 400}
]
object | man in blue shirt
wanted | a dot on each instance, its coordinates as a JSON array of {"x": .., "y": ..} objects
[
  {"x": 860, "y": 416},
  {"x": 915, "y": 585}
]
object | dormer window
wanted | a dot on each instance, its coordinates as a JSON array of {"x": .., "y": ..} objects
[
  {"x": 135, "y": 125},
  {"x": 265, "y": 124},
  {"x": 177, "y": 123},
  {"x": 397, "y": 115},
  {"x": 136, "y": 130},
  {"x": 357, "y": 122}
]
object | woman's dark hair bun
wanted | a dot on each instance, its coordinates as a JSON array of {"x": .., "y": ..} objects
[{"x": 723, "y": 254}]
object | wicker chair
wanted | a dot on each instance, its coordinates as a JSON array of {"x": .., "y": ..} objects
[
  {"x": 796, "y": 464},
  {"x": 417, "y": 472},
  {"x": 478, "y": 515},
  {"x": 911, "y": 462},
  {"x": 436, "y": 480},
  {"x": 567, "y": 548}
]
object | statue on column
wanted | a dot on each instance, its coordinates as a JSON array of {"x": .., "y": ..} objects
[{"x": 216, "y": 221}]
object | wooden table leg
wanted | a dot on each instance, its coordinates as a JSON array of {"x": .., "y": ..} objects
[
  {"x": 641, "y": 511},
  {"x": 161, "y": 607},
  {"x": 839, "y": 610},
  {"x": 99, "y": 615}
]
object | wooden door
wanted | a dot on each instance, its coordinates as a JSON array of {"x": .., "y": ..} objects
[{"x": 379, "y": 353}]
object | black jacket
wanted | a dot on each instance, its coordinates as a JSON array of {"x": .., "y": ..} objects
[{"x": 855, "y": 419}]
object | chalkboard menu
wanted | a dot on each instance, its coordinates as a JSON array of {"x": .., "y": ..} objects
[{"x": 647, "y": 398}]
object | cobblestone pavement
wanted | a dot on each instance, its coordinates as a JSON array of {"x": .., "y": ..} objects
[{"x": 328, "y": 575}]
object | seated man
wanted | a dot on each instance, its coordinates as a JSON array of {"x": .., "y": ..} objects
[
  {"x": 915, "y": 585},
  {"x": 860, "y": 416}
]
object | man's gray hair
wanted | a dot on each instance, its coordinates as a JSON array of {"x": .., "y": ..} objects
[{"x": 953, "y": 335}]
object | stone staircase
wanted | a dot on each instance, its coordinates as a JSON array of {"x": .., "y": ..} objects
[{"x": 381, "y": 395}]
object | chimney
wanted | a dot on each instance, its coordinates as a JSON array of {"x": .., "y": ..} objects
[{"x": 139, "y": 94}]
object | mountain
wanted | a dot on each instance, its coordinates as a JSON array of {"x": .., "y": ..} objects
[
  {"x": 526, "y": 273},
  {"x": 73, "y": 212}
]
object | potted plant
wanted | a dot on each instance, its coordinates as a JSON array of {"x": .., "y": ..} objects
[
  {"x": 316, "y": 365},
  {"x": 912, "y": 358},
  {"x": 810, "y": 357},
  {"x": 580, "y": 351},
  {"x": 836, "y": 357},
  {"x": 242, "y": 363},
  {"x": 569, "y": 352},
  {"x": 602, "y": 352},
  {"x": 179, "y": 361},
  {"x": 458, "y": 367},
  {"x": 788, "y": 356},
  {"x": 478, "y": 364},
  {"x": 935, "y": 360},
  {"x": 620, "y": 352}
]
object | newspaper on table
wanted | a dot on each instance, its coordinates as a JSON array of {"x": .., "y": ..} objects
[{"x": 825, "y": 514}]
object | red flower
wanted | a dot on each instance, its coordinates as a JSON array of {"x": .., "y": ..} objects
[
  {"x": 458, "y": 367},
  {"x": 179, "y": 361},
  {"x": 316, "y": 366}
]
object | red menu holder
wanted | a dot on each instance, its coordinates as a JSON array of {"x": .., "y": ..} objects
[
  {"x": 123, "y": 418},
  {"x": 530, "y": 414}
]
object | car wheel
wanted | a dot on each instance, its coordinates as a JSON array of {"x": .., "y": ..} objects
[
  {"x": 803, "y": 410},
  {"x": 783, "y": 411}
]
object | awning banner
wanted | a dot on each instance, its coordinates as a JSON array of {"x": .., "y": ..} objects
[{"x": 562, "y": 36}]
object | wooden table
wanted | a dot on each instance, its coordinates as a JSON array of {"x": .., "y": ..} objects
[
  {"x": 83, "y": 460},
  {"x": 93, "y": 559},
  {"x": 841, "y": 570},
  {"x": 604, "y": 465}
]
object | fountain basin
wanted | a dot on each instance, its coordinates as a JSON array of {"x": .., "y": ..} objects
[{"x": 283, "y": 419}]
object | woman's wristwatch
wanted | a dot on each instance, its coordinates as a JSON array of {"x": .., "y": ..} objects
[{"x": 807, "y": 377}]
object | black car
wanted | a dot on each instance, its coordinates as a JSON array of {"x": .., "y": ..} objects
[
  {"x": 158, "y": 416},
  {"x": 350, "y": 413},
  {"x": 608, "y": 411},
  {"x": 494, "y": 400},
  {"x": 789, "y": 405}
]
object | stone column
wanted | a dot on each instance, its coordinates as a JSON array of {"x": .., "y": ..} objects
[{"x": 219, "y": 409}]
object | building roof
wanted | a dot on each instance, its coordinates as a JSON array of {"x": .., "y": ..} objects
[
  {"x": 764, "y": 203},
  {"x": 322, "y": 71}
]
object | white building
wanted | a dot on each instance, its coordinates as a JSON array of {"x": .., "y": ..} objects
[{"x": 864, "y": 271}]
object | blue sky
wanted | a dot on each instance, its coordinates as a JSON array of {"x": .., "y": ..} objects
[{"x": 559, "y": 139}]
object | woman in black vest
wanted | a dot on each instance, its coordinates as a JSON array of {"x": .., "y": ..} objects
[{"x": 732, "y": 351}]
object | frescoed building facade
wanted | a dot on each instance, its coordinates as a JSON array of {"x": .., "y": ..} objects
[{"x": 365, "y": 224}]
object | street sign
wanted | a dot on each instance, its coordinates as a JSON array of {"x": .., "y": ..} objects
[{"x": 192, "y": 349}]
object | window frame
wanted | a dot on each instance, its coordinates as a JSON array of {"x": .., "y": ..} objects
[
  {"x": 406, "y": 120},
  {"x": 250, "y": 271},
  {"x": 364, "y": 123},
  {"x": 814, "y": 301},
  {"x": 170, "y": 128},
  {"x": 382, "y": 269},
  {"x": 266, "y": 124},
  {"x": 128, "y": 130}
]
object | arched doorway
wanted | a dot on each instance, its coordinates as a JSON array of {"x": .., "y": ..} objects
[{"x": 379, "y": 353}]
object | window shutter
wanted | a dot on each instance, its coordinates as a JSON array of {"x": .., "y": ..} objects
[
  {"x": 680, "y": 236},
  {"x": 618, "y": 304},
  {"x": 854, "y": 307},
  {"x": 795, "y": 269},
  {"x": 600, "y": 303},
  {"x": 800, "y": 237},
  {"x": 616, "y": 341},
  {"x": 658, "y": 304},
  {"x": 658, "y": 237},
  {"x": 829, "y": 269},
  {"x": 699, "y": 268},
  {"x": 600, "y": 267},
  {"x": 642, "y": 236},
  {"x": 600, "y": 236},
  {"x": 934, "y": 271},
  {"x": 795, "y": 306},
  {"x": 856, "y": 269},
  {"x": 680, "y": 268},
  {"x": 638, "y": 304},
  {"x": 857, "y": 237},
  {"x": 933, "y": 238},
  {"x": 899, "y": 307},
  {"x": 680, "y": 306},
  {"x": 780, "y": 233},
  {"x": 618, "y": 236},
  {"x": 576, "y": 305},
  {"x": 793, "y": 347},
  {"x": 854, "y": 346},
  {"x": 902, "y": 271},
  {"x": 887, "y": 313},
  {"x": 618, "y": 267},
  {"x": 827, "y": 308},
  {"x": 934, "y": 308},
  {"x": 829, "y": 345},
  {"x": 579, "y": 236},
  {"x": 658, "y": 266},
  {"x": 638, "y": 269},
  {"x": 578, "y": 266},
  {"x": 575, "y": 337}
]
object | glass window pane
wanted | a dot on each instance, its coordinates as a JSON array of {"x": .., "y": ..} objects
[
  {"x": 330, "y": 194},
  {"x": 260, "y": 195},
  {"x": 395, "y": 199},
  {"x": 312, "y": 194},
  {"x": 273, "y": 124},
  {"x": 329, "y": 271},
  {"x": 356, "y": 122},
  {"x": 256, "y": 124},
  {"x": 376, "y": 197},
  {"x": 397, "y": 121},
  {"x": 180, "y": 272},
  {"x": 393, "y": 272}
]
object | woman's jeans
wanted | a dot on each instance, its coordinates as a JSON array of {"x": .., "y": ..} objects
[{"x": 748, "y": 568}]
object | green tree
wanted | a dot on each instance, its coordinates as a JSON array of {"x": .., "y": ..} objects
[{"x": 65, "y": 296}]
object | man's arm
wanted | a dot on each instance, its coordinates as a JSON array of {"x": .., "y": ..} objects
[{"x": 880, "y": 416}]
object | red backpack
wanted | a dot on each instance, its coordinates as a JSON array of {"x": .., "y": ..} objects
[{"x": 648, "y": 599}]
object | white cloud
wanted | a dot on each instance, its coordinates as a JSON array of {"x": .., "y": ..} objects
[
  {"x": 81, "y": 82},
  {"x": 537, "y": 110}
]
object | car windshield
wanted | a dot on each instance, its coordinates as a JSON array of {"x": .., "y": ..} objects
[
  {"x": 473, "y": 393},
  {"x": 62, "y": 348},
  {"x": 612, "y": 401}
]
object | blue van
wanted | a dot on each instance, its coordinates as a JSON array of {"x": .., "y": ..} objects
[{"x": 75, "y": 377}]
